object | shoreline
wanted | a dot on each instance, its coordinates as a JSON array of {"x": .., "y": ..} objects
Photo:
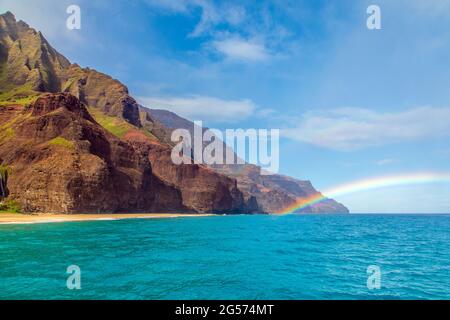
[{"x": 18, "y": 218}]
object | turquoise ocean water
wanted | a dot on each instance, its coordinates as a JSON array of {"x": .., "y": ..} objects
[{"x": 230, "y": 257}]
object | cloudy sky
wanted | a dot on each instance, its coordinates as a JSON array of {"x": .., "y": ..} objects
[{"x": 351, "y": 103}]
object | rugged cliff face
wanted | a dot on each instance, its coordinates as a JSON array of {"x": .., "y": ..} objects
[
  {"x": 201, "y": 187},
  {"x": 27, "y": 61},
  {"x": 273, "y": 192},
  {"x": 264, "y": 193},
  {"x": 63, "y": 161},
  {"x": 29, "y": 64},
  {"x": 76, "y": 141}
]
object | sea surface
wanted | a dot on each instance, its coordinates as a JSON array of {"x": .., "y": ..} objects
[{"x": 230, "y": 257}]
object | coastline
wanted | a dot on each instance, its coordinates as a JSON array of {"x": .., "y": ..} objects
[{"x": 18, "y": 218}]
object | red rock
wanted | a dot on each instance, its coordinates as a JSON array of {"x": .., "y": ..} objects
[{"x": 93, "y": 171}]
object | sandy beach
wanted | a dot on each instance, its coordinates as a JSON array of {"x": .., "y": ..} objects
[{"x": 15, "y": 218}]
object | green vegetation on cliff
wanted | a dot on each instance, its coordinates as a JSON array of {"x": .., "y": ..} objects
[
  {"x": 114, "y": 125},
  {"x": 6, "y": 133},
  {"x": 117, "y": 126},
  {"x": 60, "y": 141},
  {"x": 21, "y": 95},
  {"x": 10, "y": 206},
  {"x": 7, "y": 128}
]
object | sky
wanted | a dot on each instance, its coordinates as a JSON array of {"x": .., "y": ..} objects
[{"x": 351, "y": 103}]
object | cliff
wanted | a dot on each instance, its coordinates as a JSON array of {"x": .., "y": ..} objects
[
  {"x": 63, "y": 161},
  {"x": 76, "y": 141},
  {"x": 267, "y": 193}
]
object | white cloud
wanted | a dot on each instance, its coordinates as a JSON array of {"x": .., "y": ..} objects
[
  {"x": 212, "y": 13},
  {"x": 238, "y": 32},
  {"x": 241, "y": 49},
  {"x": 203, "y": 107},
  {"x": 347, "y": 129},
  {"x": 229, "y": 30},
  {"x": 210, "y": 17}
]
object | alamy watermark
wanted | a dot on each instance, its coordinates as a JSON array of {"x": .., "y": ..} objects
[
  {"x": 373, "y": 277},
  {"x": 374, "y": 20},
  {"x": 73, "y": 22},
  {"x": 74, "y": 280},
  {"x": 258, "y": 146}
]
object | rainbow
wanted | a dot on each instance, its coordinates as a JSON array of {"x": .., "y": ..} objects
[{"x": 367, "y": 184}]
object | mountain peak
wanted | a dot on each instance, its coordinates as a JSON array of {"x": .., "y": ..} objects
[
  {"x": 8, "y": 15},
  {"x": 29, "y": 65}
]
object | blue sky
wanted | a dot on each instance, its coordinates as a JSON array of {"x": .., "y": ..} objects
[{"x": 351, "y": 103}]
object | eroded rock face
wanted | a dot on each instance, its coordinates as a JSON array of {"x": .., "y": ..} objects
[
  {"x": 101, "y": 91},
  {"x": 201, "y": 188},
  {"x": 275, "y": 192},
  {"x": 29, "y": 63},
  {"x": 262, "y": 193},
  {"x": 64, "y": 162},
  {"x": 27, "y": 58}
]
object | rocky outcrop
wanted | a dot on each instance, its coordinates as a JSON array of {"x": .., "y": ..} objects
[
  {"x": 201, "y": 187},
  {"x": 102, "y": 92}
]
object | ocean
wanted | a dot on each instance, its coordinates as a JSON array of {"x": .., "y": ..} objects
[{"x": 230, "y": 257}]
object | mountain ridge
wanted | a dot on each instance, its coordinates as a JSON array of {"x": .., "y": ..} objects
[
  {"x": 33, "y": 75},
  {"x": 271, "y": 192}
]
